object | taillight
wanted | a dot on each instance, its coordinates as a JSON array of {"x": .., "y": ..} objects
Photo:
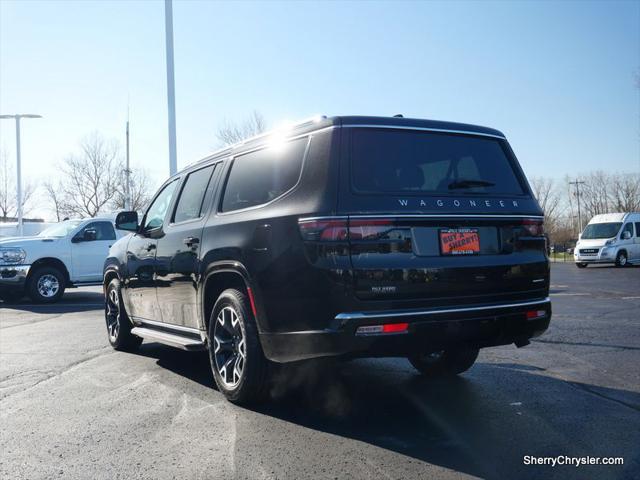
[
  {"x": 369, "y": 229},
  {"x": 321, "y": 230},
  {"x": 534, "y": 227}
]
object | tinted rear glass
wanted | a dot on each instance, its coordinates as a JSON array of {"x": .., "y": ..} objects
[
  {"x": 388, "y": 161},
  {"x": 261, "y": 176}
]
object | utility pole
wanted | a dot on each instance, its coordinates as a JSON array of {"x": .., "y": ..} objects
[
  {"x": 171, "y": 92},
  {"x": 17, "y": 118},
  {"x": 577, "y": 184},
  {"x": 127, "y": 172}
]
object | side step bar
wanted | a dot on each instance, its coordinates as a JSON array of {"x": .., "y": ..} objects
[{"x": 171, "y": 339}]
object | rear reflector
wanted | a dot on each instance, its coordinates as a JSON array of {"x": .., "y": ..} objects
[
  {"x": 386, "y": 328},
  {"x": 533, "y": 314}
]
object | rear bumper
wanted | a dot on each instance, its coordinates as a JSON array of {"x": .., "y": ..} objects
[
  {"x": 13, "y": 277},
  {"x": 433, "y": 329}
]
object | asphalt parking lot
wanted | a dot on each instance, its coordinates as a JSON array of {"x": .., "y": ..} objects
[{"x": 71, "y": 407}]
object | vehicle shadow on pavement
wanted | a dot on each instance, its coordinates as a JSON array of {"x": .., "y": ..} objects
[
  {"x": 72, "y": 302},
  {"x": 482, "y": 423}
]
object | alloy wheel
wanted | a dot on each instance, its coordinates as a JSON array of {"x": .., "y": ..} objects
[
  {"x": 113, "y": 313},
  {"x": 48, "y": 285},
  {"x": 229, "y": 347}
]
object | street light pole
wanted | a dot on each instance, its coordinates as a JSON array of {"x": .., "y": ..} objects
[
  {"x": 17, "y": 117},
  {"x": 171, "y": 92}
]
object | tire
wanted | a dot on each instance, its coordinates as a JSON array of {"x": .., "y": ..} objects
[
  {"x": 46, "y": 285},
  {"x": 118, "y": 323},
  {"x": 239, "y": 366},
  {"x": 581, "y": 265},
  {"x": 444, "y": 363},
  {"x": 621, "y": 259}
]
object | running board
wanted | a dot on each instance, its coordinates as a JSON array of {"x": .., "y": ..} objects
[{"x": 171, "y": 339}]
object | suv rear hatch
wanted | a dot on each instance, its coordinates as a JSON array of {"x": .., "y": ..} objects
[{"x": 437, "y": 218}]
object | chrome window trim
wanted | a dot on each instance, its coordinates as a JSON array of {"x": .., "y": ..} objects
[
  {"x": 368, "y": 315},
  {"x": 424, "y": 129}
]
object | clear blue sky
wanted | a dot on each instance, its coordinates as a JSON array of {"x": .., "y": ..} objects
[{"x": 557, "y": 78}]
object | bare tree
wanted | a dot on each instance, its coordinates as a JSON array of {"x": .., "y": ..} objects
[
  {"x": 140, "y": 190},
  {"x": 549, "y": 197},
  {"x": 89, "y": 178},
  {"x": 8, "y": 197},
  {"x": 230, "y": 132},
  {"x": 54, "y": 192}
]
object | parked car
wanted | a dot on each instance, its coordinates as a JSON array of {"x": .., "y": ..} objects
[
  {"x": 343, "y": 237},
  {"x": 65, "y": 255},
  {"x": 610, "y": 238}
]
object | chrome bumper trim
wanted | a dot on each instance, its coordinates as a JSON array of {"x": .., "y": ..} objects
[
  {"x": 13, "y": 274},
  {"x": 412, "y": 313}
]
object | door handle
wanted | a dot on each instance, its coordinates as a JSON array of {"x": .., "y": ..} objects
[
  {"x": 150, "y": 246},
  {"x": 190, "y": 241}
]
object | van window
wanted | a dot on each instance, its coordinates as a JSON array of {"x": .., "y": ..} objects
[
  {"x": 390, "y": 161},
  {"x": 638, "y": 229},
  {"x": 628, "y": 227},
  {"x": 261, "y": 176},
  {"x": 601, "y": 230},
  {"x": 192, "y": 195}
]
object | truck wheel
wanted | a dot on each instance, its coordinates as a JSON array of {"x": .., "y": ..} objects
[
  {"x": 621, "y": 259},
  {"x": 118, "y": 323},
  {"x": 46, "y": 285},
  {"x": 239, "y": 366},
  {"x": 581, "y": 265},
  {"x": 444, "y": 362}
]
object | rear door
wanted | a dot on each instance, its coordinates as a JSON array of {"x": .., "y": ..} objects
[
  {"x": 178, "y": 251},
  {"x": 439, "y": 218}
]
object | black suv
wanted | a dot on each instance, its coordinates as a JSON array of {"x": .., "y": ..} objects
[{"x": 339, "y": 237}]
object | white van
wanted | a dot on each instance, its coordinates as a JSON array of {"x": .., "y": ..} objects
[{"x": 610, "y": 238}]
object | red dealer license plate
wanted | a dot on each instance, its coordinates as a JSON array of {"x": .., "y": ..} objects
[{"x": 459, "y": 241}]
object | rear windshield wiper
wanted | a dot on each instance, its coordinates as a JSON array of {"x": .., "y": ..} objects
[{"x": 469, "y": 184}]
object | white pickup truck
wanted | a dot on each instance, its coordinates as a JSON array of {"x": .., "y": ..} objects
[{"x": 68, "y": 254}]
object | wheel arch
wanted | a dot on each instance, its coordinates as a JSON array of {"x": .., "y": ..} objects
[
  {"x": 50, "y": 262},
  {"x": 220, "y": 276}
]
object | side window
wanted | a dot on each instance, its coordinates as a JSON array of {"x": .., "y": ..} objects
[
  {"x": 157, "y": 211},
  {"x": 192, "y": 195},
  {"x": 261, "y": 176},
  {"x": 102, "y": 231},
  {"x": 638, "y": 229},
  {"x": 628, "y": 227}
]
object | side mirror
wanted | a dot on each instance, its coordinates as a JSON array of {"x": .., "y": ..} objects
[
  {"x": 127, "y": 221},
  {"x": 626, "y": 235}
]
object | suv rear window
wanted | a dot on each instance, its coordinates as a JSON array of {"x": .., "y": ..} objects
[
  {"x": 261, "y": 176},
  {"x": 394, "y": 161}
]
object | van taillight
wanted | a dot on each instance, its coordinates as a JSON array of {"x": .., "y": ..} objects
[
  {"x": 534, "y": 227},
  {"x": 322, "y": 230}
]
